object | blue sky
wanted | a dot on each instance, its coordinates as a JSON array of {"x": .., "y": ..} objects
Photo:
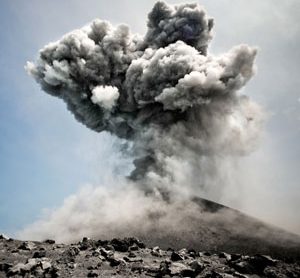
[{"x": 45, "y": 155}]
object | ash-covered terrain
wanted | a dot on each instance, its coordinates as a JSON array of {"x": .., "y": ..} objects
[
  {"x": 239, "y": 246},
  {"x": 130, "y": 257},
  {"x": 222, "y": 229}
]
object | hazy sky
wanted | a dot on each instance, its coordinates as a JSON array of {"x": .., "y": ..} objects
[{"x": 45, "y": 155}]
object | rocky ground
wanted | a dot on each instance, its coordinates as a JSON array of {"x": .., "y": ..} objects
[{"x": 130, "y": 257}]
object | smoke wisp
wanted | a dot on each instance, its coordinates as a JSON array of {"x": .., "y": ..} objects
[{"x": 179, "y": 106}]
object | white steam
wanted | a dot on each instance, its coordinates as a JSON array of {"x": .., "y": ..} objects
[{"x": 105, "y": 96}]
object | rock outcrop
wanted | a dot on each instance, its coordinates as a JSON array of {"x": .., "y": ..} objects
[{"x": 129, "y": 257}]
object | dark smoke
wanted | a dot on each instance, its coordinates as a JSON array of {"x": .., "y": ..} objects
[
  {"x": 163, "y": 83},
  {"x": 179, "y": 105},
  {"x": 125, "y": 70}
]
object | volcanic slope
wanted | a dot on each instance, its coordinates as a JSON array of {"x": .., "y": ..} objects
[{"x": 223, "y": 229}]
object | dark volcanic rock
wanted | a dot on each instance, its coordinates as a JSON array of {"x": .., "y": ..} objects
[
  {"x": 90, "y": 258},
  {"x": 86, "y": 243},
  {"x": 252, "y": 265},
  {"x": 2, "y": 236},
  {"x": 4, "y": 267},
  {"x": 49, "y": 241},
  {"x": 123, "y": 245},
  {"x": 113, "y": 261},
  {"x": 92, "y": 274},
  {"x": 26, "y": 245},
  {"x": 39, "y": 254},
  {"x": 107, "y": 253},
  {"x": 156, "y": 251},
  {"x": 176, "y": 257},
  {"x": 197, "y": 266},
  {"x": 120, "y": 245}
]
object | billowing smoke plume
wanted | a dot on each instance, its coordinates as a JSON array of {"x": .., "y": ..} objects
[{"x": 177, "y": 104}]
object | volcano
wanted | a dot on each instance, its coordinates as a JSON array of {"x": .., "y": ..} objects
[
  {"x": 184, "y": 119},
  {"x": 226, "y": 230},
  {"x": 229, "y": 244}
]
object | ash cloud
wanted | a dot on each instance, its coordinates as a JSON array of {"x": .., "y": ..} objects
[{"x": 179, "y": 106}]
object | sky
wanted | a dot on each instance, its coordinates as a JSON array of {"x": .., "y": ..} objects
[{"x": 45, "y": 155}]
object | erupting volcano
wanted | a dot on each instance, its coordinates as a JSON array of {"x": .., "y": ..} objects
[{"x": 186, "y": 124}]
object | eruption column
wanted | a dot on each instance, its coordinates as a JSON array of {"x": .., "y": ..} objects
[{"x": 179, "y": 105}]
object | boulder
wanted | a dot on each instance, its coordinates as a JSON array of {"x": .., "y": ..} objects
[
  {"x": 39, "y": 254},
  {"x": 106, "y": 253},
  {"x": 197, "y": 267},
  {"x": 225, "y": 256},
  {"x": 49, "y": 241},
  {"x": 176, "y": 257},
  {"x": 156, "y": 251},
  {"x": 18, "y": 269},
  {"x": 92, "y": 273},
  {"x": 120, "y": 245},
  {"x": 27, "y": 245}
]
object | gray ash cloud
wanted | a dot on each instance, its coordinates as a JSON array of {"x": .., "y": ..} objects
[{"x": 179, "y": 105}]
